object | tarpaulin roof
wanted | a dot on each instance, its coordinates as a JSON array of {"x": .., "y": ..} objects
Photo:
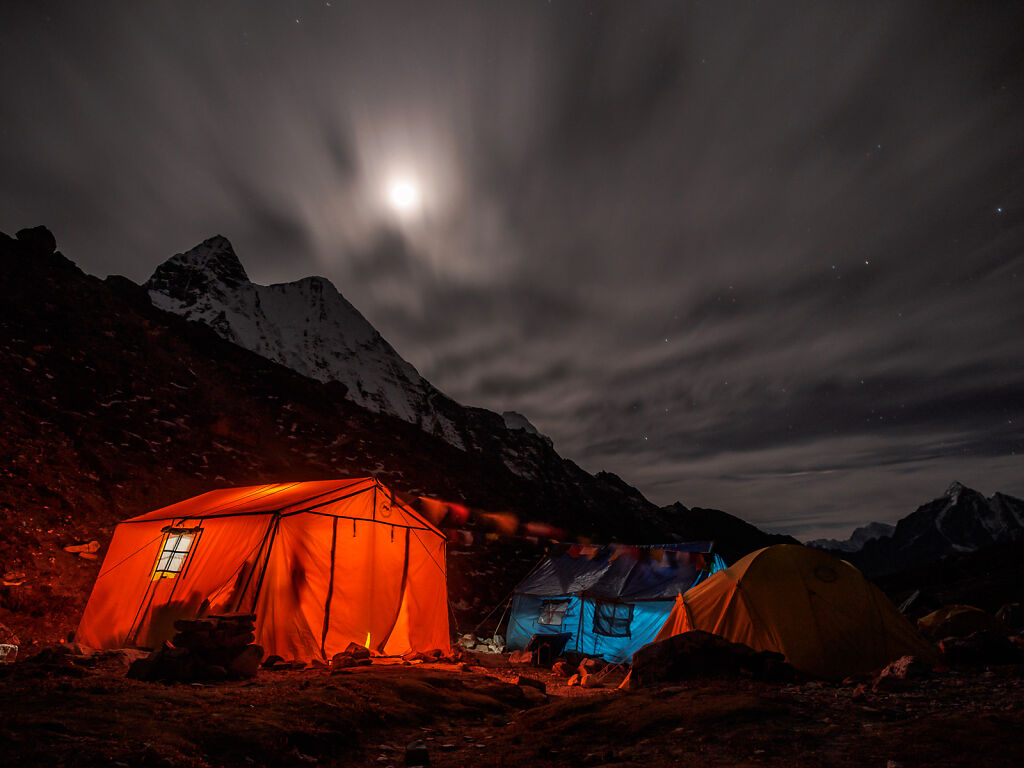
[{"x": 620, "y": 572}]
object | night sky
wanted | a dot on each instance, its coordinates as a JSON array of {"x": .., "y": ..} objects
[{"x": 766, "y": 257}]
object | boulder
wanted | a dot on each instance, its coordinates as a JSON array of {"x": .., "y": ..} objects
[
  {"x": 980, "y": 649},
  {"x": 699, "y": 654},
  {"x": 247, "y": 663},
  {"x": 957, "y": 621},
  {"x": 1012, "y": 615},
  {"x": 38, "y": 238}
]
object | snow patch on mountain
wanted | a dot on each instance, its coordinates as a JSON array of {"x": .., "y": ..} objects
[
  {"x": 858, "y": 538},
  {"x": 514, "y": 420},
  {"x": 306, "y": 325}
]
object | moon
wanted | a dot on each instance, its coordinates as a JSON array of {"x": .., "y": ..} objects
[{"x": 403, "y": 195}]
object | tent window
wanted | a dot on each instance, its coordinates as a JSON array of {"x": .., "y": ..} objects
[
  {"x": 612, "y": 619},
  {"x": 174, "y": 552},
  {"x": 552, "y": 612}
]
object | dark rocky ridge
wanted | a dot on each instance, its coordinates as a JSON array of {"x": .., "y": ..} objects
[{"x": 733, "y": 537}]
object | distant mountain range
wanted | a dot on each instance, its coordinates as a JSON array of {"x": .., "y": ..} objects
[
  {"x": 858, "y": 538},
  {"x": 960, "y": 521}
]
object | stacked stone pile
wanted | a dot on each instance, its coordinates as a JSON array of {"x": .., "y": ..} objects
[{"x": 208, "y": 649}]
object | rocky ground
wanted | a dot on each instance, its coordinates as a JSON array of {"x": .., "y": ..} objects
[{"x": 83, "y": 711}]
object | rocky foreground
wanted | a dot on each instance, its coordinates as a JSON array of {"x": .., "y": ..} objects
[{"x": 65, "y": 709}]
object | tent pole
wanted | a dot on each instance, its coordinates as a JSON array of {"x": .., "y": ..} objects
[
  {"x": 330, "y": 590},
  {"x": 266, "y": 562},
  {"x": 401, "y": 595},
  {"x": 255, "y": 564}
]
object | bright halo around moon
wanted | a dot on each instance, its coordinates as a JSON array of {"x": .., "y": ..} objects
[{"x": 403, "y": 196}]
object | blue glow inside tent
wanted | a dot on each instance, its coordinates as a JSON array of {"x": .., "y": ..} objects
[{"x": 612, "y": 602}]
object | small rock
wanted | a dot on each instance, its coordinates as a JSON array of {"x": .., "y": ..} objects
[
  {"x": 14, "y": 578},
  {"x": 89, "y": 548},
  {"x": 574, "y": 680},
  {"x": 906, "y": 668},
  {"x": 416, "y": 754},
  {"x": 8, "y": 637},
  {"x": 357, "y": 651},
  {"x": 216, "y": 673},
  {"x": 561, "y": 667},
  {"x": 590, "y": 681},
  {"x": 520, "y": 657},
  {"x": 524, "y": 681}
]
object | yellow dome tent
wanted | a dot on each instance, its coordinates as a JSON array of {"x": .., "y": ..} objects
[{"x": 819, "y": 612}]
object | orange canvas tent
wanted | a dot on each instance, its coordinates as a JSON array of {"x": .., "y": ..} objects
[
  {"x": 321, "y": 564},
  {"x": 817, "y": 611}
]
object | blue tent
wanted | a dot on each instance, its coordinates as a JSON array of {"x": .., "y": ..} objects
[{"x": 612, "y": 599}]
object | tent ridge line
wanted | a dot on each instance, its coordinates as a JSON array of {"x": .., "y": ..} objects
[
  {"x": 278, "y": 511},
  {"x": 359, "y": 519}
]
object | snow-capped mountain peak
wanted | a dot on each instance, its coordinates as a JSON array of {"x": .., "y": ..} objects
[
  {"x": 954, "y": 491},
  {"x": 516, "y": 420},
  {"x": 961, "y": 520},
  {"x": 306, "y": 325}
]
